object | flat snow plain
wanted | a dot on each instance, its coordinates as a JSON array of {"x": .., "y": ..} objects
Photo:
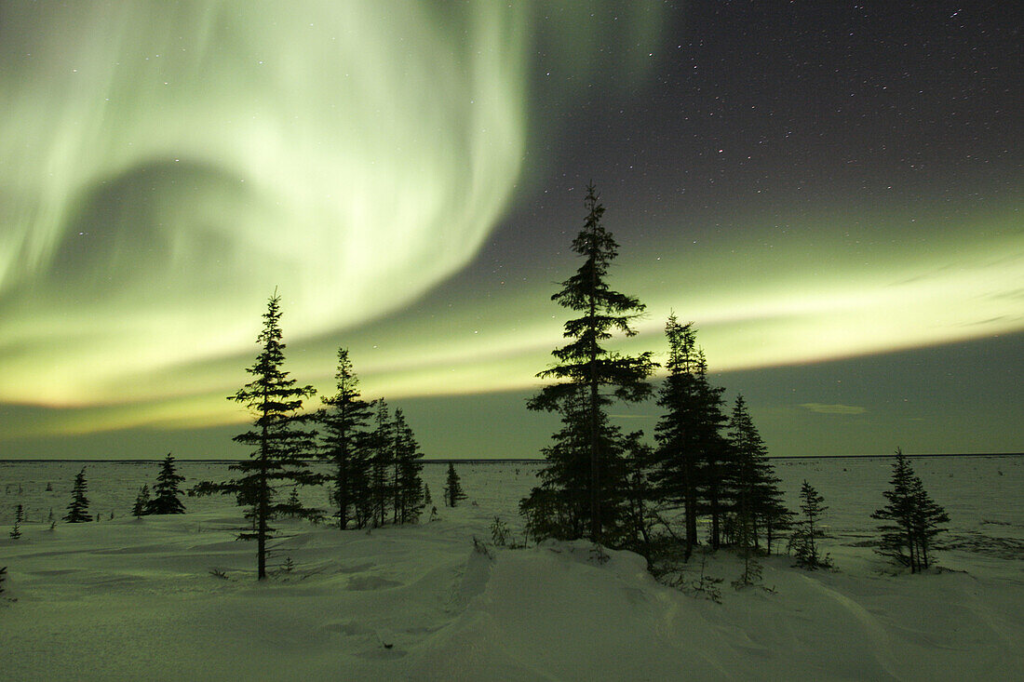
[{"x": 126, "y": 599}]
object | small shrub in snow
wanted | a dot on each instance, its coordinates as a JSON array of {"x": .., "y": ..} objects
[
  {"x": 751, "y": 576},
  {"x": 482, "y": 548},
  {"x": 705, "y": 586},
  {"x": 500, "y": 533},
  {"x": 141, "y": 507}
]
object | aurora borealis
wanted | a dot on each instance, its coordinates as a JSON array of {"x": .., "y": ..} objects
[{"x": 830, "y": 193}]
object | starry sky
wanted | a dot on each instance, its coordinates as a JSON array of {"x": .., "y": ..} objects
[{"x": 830, "y": 191}]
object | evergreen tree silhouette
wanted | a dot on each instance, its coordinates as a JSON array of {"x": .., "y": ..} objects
[
  {"x": 165, "y": 492},
  {"x": 453, "y": 488},
  {"x": 141, "y": 507},
  {"x": 78, "y": 510},
  {"x": 19, "y": 516},
  {"x": 912, "y": 518},
  {"x": 807, "y": 531},
  {"x": 408, "y": 465},
  {"x": 691, "y": 465},
  {"x": 280, "y": 446},
  {"x": 589, "y": 378},
  {"x": 342, "y": 425},
  {"x": 758, "y": 507},
  {"x": 380, "y": 446}
]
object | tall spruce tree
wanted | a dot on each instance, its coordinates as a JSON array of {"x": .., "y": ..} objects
[
  {"x": 165, "y": 492},
  {"x": 692, "y": 464},
  {"x": 590, "y": 377},
  {"x": 343, "y": 431},
  {"x": 758, "y": 508},
  {"x": 716, "y": 466},
  {"x": 279, "y": 441},
  {"x": 78, "y": 509},
  {"x": 380, "y": 449},
  {"x": 912, "y": 518},
  {"x": 408, "y": 465}
]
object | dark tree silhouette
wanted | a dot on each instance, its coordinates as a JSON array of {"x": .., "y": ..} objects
[
  {"x": 589, "y": 377},
  {"x": 78, "y": 510},
  {"x": 19, "y": 516},
  {"x": 380, "y": 446},
  {"x": 343, "y": 432},
  {"x": 408, "y": 465},
  {"x": 640, "y": 517},
  {"x": 453, "y": 488},
  {"x": 560, "y": 506},
  {"x": 758, "y": 508},
  {"x": 912, "y": 518},
  {"x": 692, "y": 465},
  {"x": 165, "y": 492},
  {"x": 280, "y": 445},
  {"x": 807, "y": 531},
  {"x": 141, "y": 507}
]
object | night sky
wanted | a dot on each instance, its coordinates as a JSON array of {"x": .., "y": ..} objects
[{"x": 830, "y": 191}]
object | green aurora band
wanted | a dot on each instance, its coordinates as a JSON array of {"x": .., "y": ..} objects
[{"x": 165, "y": 165}]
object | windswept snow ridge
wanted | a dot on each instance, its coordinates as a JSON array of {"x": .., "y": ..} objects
[{"x": 174, "y": 598}]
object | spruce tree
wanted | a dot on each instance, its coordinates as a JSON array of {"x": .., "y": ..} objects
[
  {"x": 758, "y": 507},
  {"x": 165, "y": 492},
  {"x": 807, "y": 531},
  {"x": 141, "y": 507},
  {"x": 343, "y": 432},
  {"x": 912, "y": 518},
  {"x": 590, "y": 377},
  {"x": 19, "y": 516},
  {"x": 380, "y": 446},
  {"x": 692, "y": 464},
  {"x": 408, "y": 465},
  {"x": 640, "y": 519},
  {"x": 560, "y": 506},
  {"x": 716, "y": 466},
  {"x": 3, "y": 578},
  {"x": 78, "y": 510},
  {"x": 280, "y": 445},
  {"x": 453, "y": 488}
]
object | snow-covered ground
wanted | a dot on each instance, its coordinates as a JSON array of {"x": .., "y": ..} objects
[{"x": 127, "y": 599}]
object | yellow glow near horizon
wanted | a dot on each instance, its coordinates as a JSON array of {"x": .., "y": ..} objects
[{"x": 163, "y": 166}]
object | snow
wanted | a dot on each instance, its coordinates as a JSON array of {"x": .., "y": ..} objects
[{"x": 128, "y": 599}]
